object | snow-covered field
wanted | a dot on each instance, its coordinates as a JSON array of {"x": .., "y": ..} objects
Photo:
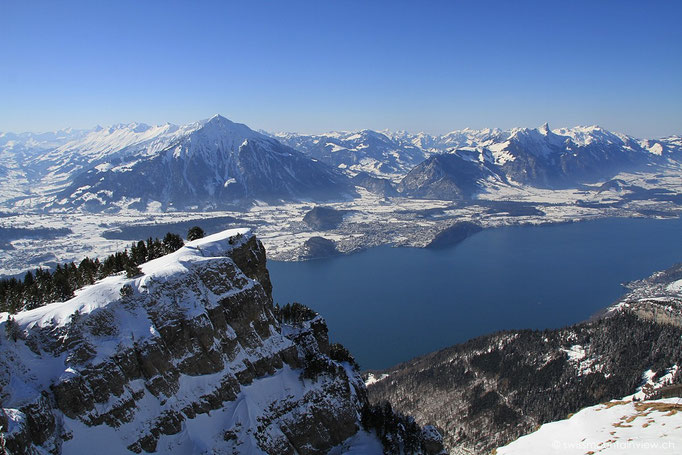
[{"x": 372, "y": 220}]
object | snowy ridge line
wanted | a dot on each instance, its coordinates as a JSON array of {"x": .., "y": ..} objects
[
  {"x": 107, "y": 290},
  {"x": 128, "y": 322}
]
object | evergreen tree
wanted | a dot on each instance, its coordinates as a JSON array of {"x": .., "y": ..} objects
[
  {"x": 88, "y": 270},
  {"x": 28, "y": 279},
  {"x": 138, "y": 252},
  {"x": 338, "y": 352},
  {"x": 195, "y": 233},
  {"x": 132, "y": 271},
  {"x": 73, "y": 276},
  {"x": 172, "y": 242},
  {"x": 154, "y": 249},
  {"x": 12, "y": 329},
  {"x": 61, "y": 290}
]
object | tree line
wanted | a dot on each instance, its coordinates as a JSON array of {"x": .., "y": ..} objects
[{"x": 44, "y": 286}]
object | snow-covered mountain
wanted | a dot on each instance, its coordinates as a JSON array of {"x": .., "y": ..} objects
[
  {"x": 579, "y": 135},
  {"x": 18, "y": 152},
  {"x": 216, "y": 163},
  {"x": 190, "y": 356},
  {"x": 461, "y": 163},
  {"x": 538, "y": 157},
  {"x": 208, "y": 164},
  {"x": 367, "y": 151}
]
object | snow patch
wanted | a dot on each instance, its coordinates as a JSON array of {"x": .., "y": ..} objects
[
  {"x": 675, "y": 286},
  {"x": 575, "y": 353},
  {"x": 372, "y": 379}
]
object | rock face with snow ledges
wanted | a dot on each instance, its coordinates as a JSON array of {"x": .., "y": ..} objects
[{"x": 186, "y": 357}]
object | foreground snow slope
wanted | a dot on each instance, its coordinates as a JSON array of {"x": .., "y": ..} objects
[{"x": 616, "y": 427}]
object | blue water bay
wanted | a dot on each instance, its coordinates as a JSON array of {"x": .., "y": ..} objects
[{"x": 388, "y": 305}]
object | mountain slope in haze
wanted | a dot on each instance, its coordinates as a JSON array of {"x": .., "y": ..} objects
[
  {"x": 365, "y": 151},
  {"x": 450, "y": 176},
  {"x": 490, "y": 390},
  {"x": 20, "y": 154}
]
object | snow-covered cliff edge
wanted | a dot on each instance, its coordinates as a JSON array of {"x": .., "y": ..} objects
[{"x": 187, "y": 357}]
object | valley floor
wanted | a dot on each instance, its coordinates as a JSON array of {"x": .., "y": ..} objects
[{"x": 371, "y": 220}]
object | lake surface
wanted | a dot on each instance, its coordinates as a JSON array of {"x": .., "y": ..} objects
[{"x": 388, "y": 305}]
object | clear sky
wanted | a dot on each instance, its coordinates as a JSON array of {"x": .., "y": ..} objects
[{"x": 319, "y": 65}]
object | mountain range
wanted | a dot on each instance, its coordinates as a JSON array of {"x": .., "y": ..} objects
[{"x": 217, "y": 163}]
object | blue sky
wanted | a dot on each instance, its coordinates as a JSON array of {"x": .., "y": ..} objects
[{"x": 315, "y": 66}]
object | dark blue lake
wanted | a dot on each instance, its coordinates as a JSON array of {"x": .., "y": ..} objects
[{"x": 388, "y": 305}]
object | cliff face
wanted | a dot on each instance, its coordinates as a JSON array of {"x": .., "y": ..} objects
[{"x": 186, "y": 358}]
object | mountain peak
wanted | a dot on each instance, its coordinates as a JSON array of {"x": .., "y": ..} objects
[
  {"x": 217, "y": 117},
  {"x": 544, "y": 128},
  {"x": 221, "y": 127}
]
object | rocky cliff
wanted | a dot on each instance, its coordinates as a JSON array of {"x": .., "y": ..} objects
[{"x": 188, "y": 357}]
